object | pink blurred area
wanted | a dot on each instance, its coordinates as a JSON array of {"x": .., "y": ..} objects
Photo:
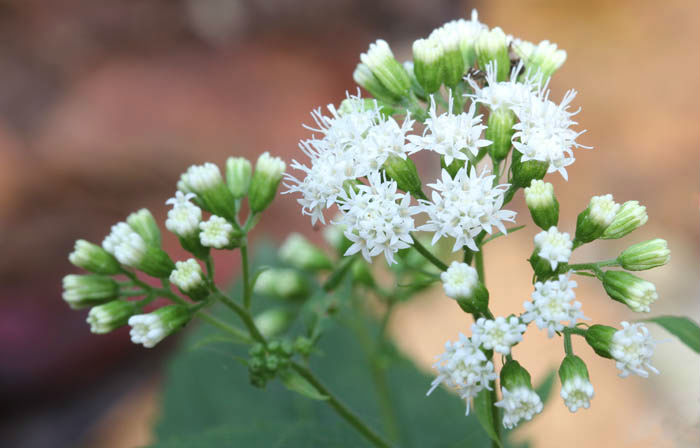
[{"x": 103, "y": 104}]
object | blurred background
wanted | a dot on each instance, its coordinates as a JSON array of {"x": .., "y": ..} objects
[{"x": 103, "y": 103}]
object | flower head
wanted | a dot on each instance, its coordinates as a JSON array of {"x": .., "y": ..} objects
[
  {"x": 465, "y": 368},
  {"x": 520, "y": 403},
  {"x": 577, "y": 393},
  {"x": 126, "y": 245},
  {"x": 187, "y": 275},
  {"x": 200, "y": 178},
  {"x": 504, "y": 95},
  {"x": 632, "y": 347},
  {"x": 149, "y": 329},
  {"x": 499, "y": 334},
  {"x": 216, "y": 232},
  {"x": 551, "y": 305},
  {"x": 464, "y": 206},
  {"x": 184, "y": 218},
  {"x": 459, "y": 280},
  {"x": 553, "y": 246}
]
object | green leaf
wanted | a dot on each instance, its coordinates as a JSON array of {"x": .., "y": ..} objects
[
  {"x": 544, "y": 389},
  {"x": 682, "y": 327},
  {"x": 483, "y": 408},
  {"x": 297, "y": 383}
]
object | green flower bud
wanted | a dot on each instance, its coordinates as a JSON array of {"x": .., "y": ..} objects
[
  {"x": 303, "y": 345},
  {"x": 145, "y": 225},
  {"x": 386, "y": 68},
  {"x": 543, "y": 205},
  {"x": 273, "y": 321},
  {"x": 192, "y": 244},
  {"x": 212, "y": 193},
  {"x": 364, "y": 77},
  {"x": 500, "y": 131},
  {"x": 404, "y": 172},
  {"x": 156, "y": 263},
  {"x": 415, "y": 85},
  {"x": 282, "y": 283},
  {"x": 630, "y": 216},
  {"x": 525, "y": 172},
  {"x": 190, "y": 279},
  {"x": 266, "y": 179},
  {"x": 645, "y": 255},
  {"x": 300, "y": 253},
  {"x": 427, "y": 63},
  {"x": 544, "y": 58},
  {"x": 493, "y": 46},
  {"x": 514, "y": 376},
  {"x": 600, "y": 337},
  {"x": 110, "y": 316},
  {"x": 592, "y": 222},
  {"x": 451, "y": 61},
  {"x": 461, "y": 282},
  {"x": 629, "y": 289},
  {"x": 218, "y": 233},
  {"x": 93, "y": 258},
  {"x": 81, "y": 291},
  {"x": 130, "y": 249},
  {"x": 238, "y": 173},
  {"x": 576, "y": 388},
  {"x": 149, "y": 329},
  {"x": 572, "y": 367}
]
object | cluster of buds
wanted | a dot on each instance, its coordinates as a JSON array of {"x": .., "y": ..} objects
[{"x": 114, "y": 291}]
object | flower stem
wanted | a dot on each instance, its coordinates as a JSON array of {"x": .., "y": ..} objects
[
  {"x": 233, "y": 331},
  {"x": 341, "y": 408},
  {"x": 479, "y": 264},
  {"x": 426, "y": 253},
  {"x": 244, "y": 315},
  {"x": 568, "y": 348},
  {"x": 246, "y": 274}
]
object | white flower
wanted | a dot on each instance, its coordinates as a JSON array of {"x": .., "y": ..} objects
[
  {"x": 184, "y": 218},
  {"x": 466, "y": 32},
  {"x": 551, "y": 305},
  {"x": 577, "y": 393},
  {"x": 147, "y": 329},
  {"x": 465, "y": 368},
  {"x": 459, "y": 280},
  {"x": 375, "y": 222},
  {"x": 632, "y": 347},
  {"x": 187, "y": 275},
  {"x": 544, "y": 132},
  {"x": 539, "y": 195},
  {"x": 603, "y": 209},
  {"x": 354, "y": 143},
  {"x": 499, "y": 334},
  {"x": 464, "y": 206},
  {"x": 200, "y": 178},
  {"x": 504, "y": 95},
  {"x": 553, "y": 246},
  {"x": 126, "y": 245},
  {"x": 450, "y": 135},
  {"x": 522, "y": 403},
  {"x": 217, "y": 232}
]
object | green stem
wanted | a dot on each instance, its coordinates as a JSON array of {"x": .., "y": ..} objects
[
  {"x": 593, "y": 266},
  {"x": 233, "y": 331},
  {"x": 246, "y": 274},
  {"x": 133, "y": 293},
  {"x": 427, "y": 254},
  {"x": 479, "y": 264},
  {"x": 341, "y": 408},
  {"x": 568, "y": 348},
  {"x": 496, "y": 417},
  {"x": 210, "y": 269},
  {"x": 574, "y": 330},
  {"x": 245, "y": 317}
]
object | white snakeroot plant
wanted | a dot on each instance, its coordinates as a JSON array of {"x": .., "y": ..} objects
[{"x": 477, "y": 102}]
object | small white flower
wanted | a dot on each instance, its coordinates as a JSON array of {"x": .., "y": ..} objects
[
  {"x": 522, "y": 403},
  {"x": 377, "y": 218},
  {"x": 464, "y": 368},
  {"x": 551, "y": 305},
  {"x": 464, "y": 206},
  {"x": 217, "y": 232},
  {"x": 187, "y": 275},
  {"x": 272, "y": 167},
  {"x": 184, "y": 218},
  {"x": 577, "y": 393},
  {"x": 147, "y": 329},
  {"x": 603, "y": 209},
  {"x": 126, "y": 245},
  {"x": 632, "y": 347},
  {"x": 200, "y": 178},
  {"x": 450, "y": 135},
  {"x": 459, "y": 280},
  {"x": 539, "y": 195},
  {"x": 466, "y": 32},
  {"x": 554, "y": 246},
  {"x": 504, "y": 95},
  {"x": 499, "y": 334}
]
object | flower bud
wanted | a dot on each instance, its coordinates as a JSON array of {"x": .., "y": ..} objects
[
  {"x": 143, "y": 223},
  {"x": 273, "y": 321},
  {"x": 386, "y": 68},
  {"x": 81, "y": 291},
  {"x": 130, "y": 249},
  {"x": 149, "y": 329},
  {"x": 525, "y": 172},
  {"x": 206, "y": 182},
  {"x": 543, "y": 205},
  {"x": 282, "y": 284},
  {"x": 629, "y": 289},
  {"x": 493, "y": 46},
  {"x": 427, "y": 63},
  {"x": 645, "y": 255},
  {"x": 599, "y": 337},
  {"x": 592, "y": 222},
  {"x": 576, "y": 388},
  {"x": 183, "y": 220},
  {"x": 266, "y": 179},
  {"x": 500, "y": 132},
  {"x": 552, "y": 248},
  {"x": 93, "y": 258},
  {"x": 238, "y": 173},
  {"x": 520, "y": 401},
  {"x": 451, "y": 61},
  {"x": 404, "y": 172},
  {"x": 544, "y": 58},
  {"x": 364, "y": 77},
  {"x": 218, "y": 233},
  {"x": 297, "y": 251},
  {"x": 461, "y": 282},
  {"x": 630, "y": 217},
  {"x": 189, "y": 278},
  {"x": 110, "y": 316}
]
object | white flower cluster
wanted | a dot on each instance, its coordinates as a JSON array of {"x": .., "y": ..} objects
[
  {"x": 499, "y": 334},
  {"x": 521, "y": 403},
  {"x": 184, "y": 218},
  {"x": 464, "y": 206},
  {"x": 377, "y": 218},
  {"x": 554, "y": 246},
  {"x": 577, "y": 393},
  {"x": 147, "y": 329},
  {"x": 464, "y": 368},
  {"x": 459, "y": 280},
  {"x": 187, "y": 274},
  {"x": 632, "y": 348},
  {"x": 504, "y": 95},
  {"x": 126, "y": 245},
  {"x": 552, "y": 304}
]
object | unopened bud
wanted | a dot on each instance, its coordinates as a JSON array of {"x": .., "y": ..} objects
[
  {"x": 525, "y": 172},
  {"x": 93, "y": 258},
  {"x": 130, "y": 249},
  {"x": 629, "y": 217},
  {"x": 364, "y": 77},
  {"x": 266, "y": 179},
  {"x": 461, "y": 282},
  {"x": 81, "y": 291},
  {"x": 386, "y": 68},
  {"x": 404, "y": 172},
  {"x": 599, "y": 337},
  {"x": 493, "y": 46},
  {"x": 282, "y": 283},
  {"x": 576, "y": 388},
  {"x": 645, "y": 255},
  {"x": 206, "y": 182},
  {"x": 110, "y": 316},
  {"x": 500, "y": 132},
  {"x": 544, "y": 58},
  {"x": 297, "y": 251},
  {"x": 149, "y": 329},
  {"x": 543, "y": 205},
  {"x": 451, "y": 61},
  {"x": 238, "y": 174},
  {"x": 273, "y": 321},
  {"x": 592, "y": 222},
  {"x": 631, "y": 290},
  {"x": 189, "y": 278},
  {"x": 427, "y": 63},
  {"x": 145, "y": 225},
  {"x": 218, "y": 233}
]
